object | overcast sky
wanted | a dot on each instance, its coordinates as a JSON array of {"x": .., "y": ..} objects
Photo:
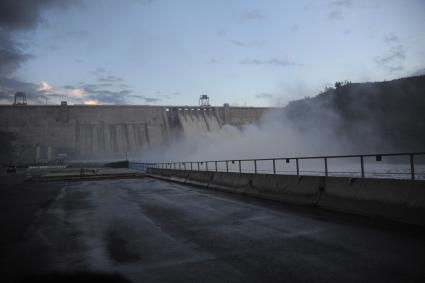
[{"x": 254, "y": 53}]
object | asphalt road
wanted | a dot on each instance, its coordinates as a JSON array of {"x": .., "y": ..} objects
[{"x": 146, "y": 230}]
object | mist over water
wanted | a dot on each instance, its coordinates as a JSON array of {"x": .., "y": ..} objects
[
  {"x": 273, "y": 136},
  {"x": 323, "y": 131}
]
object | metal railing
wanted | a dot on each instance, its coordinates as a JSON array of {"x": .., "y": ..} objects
[{"x": 240, "y": 165}]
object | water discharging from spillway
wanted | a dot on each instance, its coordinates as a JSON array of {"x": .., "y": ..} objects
[{"x": 197, "y": 122}]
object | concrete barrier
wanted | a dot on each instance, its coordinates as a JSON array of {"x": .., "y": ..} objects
[{"x": 398, "y": 200}]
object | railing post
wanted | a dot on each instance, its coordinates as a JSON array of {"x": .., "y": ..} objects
[
  {"x": 240, "y": 167},
  {"x": 326, "y": 166},
  {"x": 412, "y": 166},
  {"x": 255, "y": 166},
  {"x": 215, "y": 163},
  {"x": 362, "y": 165},
  {"x": 274, "y": 166},
  {"x": 206, "y": 166},
  {"x": 227, "y": 166},
  {"x": 298, "y": 167},
  {"x": 191, "y": 166},
  {"x": 198, "y": 165}
]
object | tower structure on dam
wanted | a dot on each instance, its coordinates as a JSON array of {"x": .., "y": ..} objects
[{"x": 51, "y": 133}]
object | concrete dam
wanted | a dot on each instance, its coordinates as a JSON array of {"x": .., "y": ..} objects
[{"x": 53, "y": 133}]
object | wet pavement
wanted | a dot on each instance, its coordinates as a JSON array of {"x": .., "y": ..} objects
[{"x": 146, "y": 230}]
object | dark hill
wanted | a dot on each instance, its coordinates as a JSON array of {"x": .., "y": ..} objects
[{"x": 369, "y": 117}]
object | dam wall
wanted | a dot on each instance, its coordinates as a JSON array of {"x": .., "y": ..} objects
[
  {"x": 396, "y": 200},
  {"x": 51, "y": 133}
]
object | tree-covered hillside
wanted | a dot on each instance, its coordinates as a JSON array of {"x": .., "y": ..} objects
[{"x": 379, "y": 116}]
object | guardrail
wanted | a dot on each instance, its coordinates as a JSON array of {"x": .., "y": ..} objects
[{"x": 273, "y": 165}]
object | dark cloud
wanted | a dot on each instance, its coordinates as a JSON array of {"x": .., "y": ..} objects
[
  {"x": 272, "y": 61},
  {"x": 110, "y": 96},
  {"x": 145, "y": 1},
  {"x": 105, "y": 93},
  {"x": 347, "y": 31},
  {"x": 295, "y": 28},
  {"x": 111, "y": 93},
  {"x": 214, "y": 61},
  {"x": 391, "y": 38},
  {"x": 238, "y": 43},
  {"x": 109, "y": 89},
  {"x": 78, "y": 34},
  {"x": 252, "y": 15},
  {"x": 12, "y": 54},
  {"x": 338, "y": 9},
  {"x": 393, "y": 60},
  {"x": 99, "y": 71},
  {"x": 17, "y": 16},
  {"x": 263, "y": 95},
  {"x": 340, "y": 3},
  {"x": 146, "y": 98},
  {"x": 68, "y": 87},
  {"x": 110, "y": 79},
  {"x": 22, "y": 14}
]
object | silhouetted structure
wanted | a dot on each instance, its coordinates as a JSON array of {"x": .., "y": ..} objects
[
  {"x": 204, "y": 100},
  {"x": 20, "y": 99}
]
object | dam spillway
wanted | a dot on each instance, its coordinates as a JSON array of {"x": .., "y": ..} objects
[{"x": 47, "y": 133}]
